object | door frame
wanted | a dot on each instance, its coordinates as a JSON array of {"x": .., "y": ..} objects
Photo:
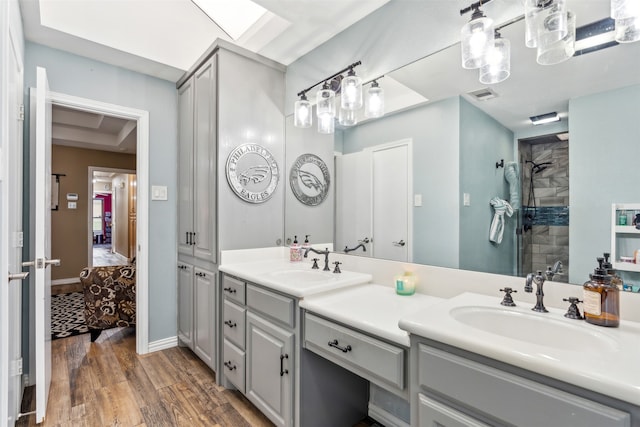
[
  {"x": 142, "y": 200},
  {"x": 92, "y": 169}
]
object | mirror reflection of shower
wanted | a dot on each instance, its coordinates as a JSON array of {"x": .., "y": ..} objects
[{"x": 543, "y": 223}]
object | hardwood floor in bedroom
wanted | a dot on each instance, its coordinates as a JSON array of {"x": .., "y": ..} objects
[{"x": 107, "y": 384}]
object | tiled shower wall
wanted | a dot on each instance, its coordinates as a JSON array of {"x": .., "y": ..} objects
[{"x": 548, "y": 239}]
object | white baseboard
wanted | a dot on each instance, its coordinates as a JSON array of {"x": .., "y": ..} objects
[
  {"x": 163, "y": 344},
  {"x": 67, "y": 281}
]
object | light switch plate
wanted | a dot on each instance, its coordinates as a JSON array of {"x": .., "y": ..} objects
[
  {"x": 72, "y": 205},
  {"x": 158, "y": 192},
  {"x": 466, "y": 199},
  {"x": 417, "y": 200}
]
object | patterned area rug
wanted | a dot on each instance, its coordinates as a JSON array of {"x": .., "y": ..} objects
[{"x": 67, "y": 315}]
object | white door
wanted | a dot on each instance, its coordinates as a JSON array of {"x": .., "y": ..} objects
[
  {"x": 353, "y": 201},
  {"x": 392, "y": 188},
  {"x": 41, "y": 236},
  {"x": 11, "y": 229}
]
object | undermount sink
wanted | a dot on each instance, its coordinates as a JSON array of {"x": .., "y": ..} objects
[
  {"x": 532, "y": 328},
  {"x": 303, "y": 276}
]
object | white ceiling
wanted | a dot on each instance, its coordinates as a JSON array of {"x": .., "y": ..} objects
[{"x": 164, "y": 38}]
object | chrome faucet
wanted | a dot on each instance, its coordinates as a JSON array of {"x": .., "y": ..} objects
[
  {"x": 538, "y": 279},
  {"x": 325, "y": 253},
  {"x": 552, "y": 271},
  {"x": 361, "y": 244}
]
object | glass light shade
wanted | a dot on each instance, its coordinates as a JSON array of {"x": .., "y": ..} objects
[
  {"x": 326, "y": 102},
  {"x": 561, "y": 50},
  {"x": 347, "y": 117},
  {"x": 628, "y": 30},
  {"x": 476, "y": 37},
  {"x": 351, "y": 98},
  {"x": 302, "y": 113},
  {"x": 622, "y": 9},
  {"x": 374, "y": 103},
  {"x": 545, "y": 22},
  {"x": 326, "y": 124},
  {"x": 498, "y": 66}
]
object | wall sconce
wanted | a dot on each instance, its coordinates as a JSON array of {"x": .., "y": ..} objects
[
  {"x": 476, "y": 37},
  {"x": 498, "y": 65},
  {"x": 374, "y": 105},
  {"x": 302, "y": 113},
  {"x": 351, "y": 92},
  {"x": 326, "y": 101}
]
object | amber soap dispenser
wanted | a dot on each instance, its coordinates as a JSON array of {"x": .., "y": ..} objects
[{"x": 601, "y": 299}]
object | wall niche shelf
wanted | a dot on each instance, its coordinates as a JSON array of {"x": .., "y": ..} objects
[{"x": 625, "y": 239}]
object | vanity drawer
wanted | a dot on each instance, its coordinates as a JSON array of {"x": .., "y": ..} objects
[
  {"x": 364, "y": 355},
  {"x": 276, "y": 306},
  {"x": 501, "y": 394},
  {"x": 233, "y": 365},
  {"x": 233, "y": 321},
  {"x": 233, "y": 289},
  {"x": 432, "y": 413}
]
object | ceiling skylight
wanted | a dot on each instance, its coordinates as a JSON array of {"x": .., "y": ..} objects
[{"x": 235, "y": 17}]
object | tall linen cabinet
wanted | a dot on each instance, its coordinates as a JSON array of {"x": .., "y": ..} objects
[{"x": 230, "y": 97}]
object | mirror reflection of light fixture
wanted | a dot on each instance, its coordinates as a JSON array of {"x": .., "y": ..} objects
[
  {"x": 374, "y": 102},
  {"x": 627, "y": 16},
  {"x": 302, "y": 112},
  {"x": 326, "y": 124},
  {"x": 347, "y": 117},
  {"x": 545, "y": 22},
  {"x": 561, "y": 50},
  {"x": 545, "y": 118},
  {"x": 476, "y": 37},
  {"x": 351, "y": 92},
  {"x": 498, "y": 66}
]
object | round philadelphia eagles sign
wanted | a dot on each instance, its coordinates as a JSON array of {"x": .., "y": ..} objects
[
  {"x": 309, "y": 179},
  {"x": 252, "y": 173}
]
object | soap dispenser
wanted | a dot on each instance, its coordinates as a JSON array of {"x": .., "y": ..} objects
[
  {"x": 615, "y": 279},
  {"x": 294, "y": 251},
  {"x": 601, "y": 298},
  {"x": 306, "y": 245}
]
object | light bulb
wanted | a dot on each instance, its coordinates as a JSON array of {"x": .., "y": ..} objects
[
  {"x": 351, "y": 92},
  {"x": 302, "y": 117},
  {"x": 375, "y": 101}
]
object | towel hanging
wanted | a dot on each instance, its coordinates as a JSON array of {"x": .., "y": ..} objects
[
  {"x": 512, "y": 175},
  {"x": 500, "y": 207}
]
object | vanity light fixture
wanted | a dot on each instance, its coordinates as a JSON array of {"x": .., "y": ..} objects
[
  {"x": 374, "y": 102},
  {"x": 498, "y": 64},
  {"x": 326, "y": 124},
  {"x": 351, "y": 90},
  {"x": 326, "y": 101},
  {"x": 302, "y": 112},
  {"x": 561, "y": 50},
  {"x": 476, "y": 37},
  {"x": 545, "y": 118}
]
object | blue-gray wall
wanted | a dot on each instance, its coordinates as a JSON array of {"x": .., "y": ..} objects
[
  {"x": 78, "y": 76},
  {"x": 604, "y": 155},
  {"x": 434, "y": 129},
  {"x": 483, "y": 142}
]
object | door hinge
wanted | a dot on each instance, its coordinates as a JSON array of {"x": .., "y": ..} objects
[
  {"x": 16, "y": 367},
  {"x": 21, "y": 113}
]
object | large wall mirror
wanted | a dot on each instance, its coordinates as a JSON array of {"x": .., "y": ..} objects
[{"x": 431, "y": 168}]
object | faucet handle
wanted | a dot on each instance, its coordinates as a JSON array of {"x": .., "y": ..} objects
[
  {"x": 508, "y": 300},
  {"x": 315, "y": 263},
  {"x": 337, "y": 268},
  {"x": 573, "y": 312}
]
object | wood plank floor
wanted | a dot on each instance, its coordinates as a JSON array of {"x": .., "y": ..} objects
[{"x": 106, "y": 383}]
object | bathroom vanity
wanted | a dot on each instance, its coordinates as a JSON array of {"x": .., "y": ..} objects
[{"x": 303, "y": 344}]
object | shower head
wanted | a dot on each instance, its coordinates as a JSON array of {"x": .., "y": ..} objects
[{"x": 538, "y": 167}]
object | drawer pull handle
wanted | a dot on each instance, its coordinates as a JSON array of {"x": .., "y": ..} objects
[
  {"x": 282, "y": 370},
  {"x": 334, "y": 344},
  {"x": 230, "y": 365},
  {"x": 230, "y": 324},
  {"x": 230, "y": 290}
]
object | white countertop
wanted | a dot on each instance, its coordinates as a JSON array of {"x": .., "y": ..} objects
[
  {"x": 611, "y": 368},
  {"x": 267, "y": 272},
  {"x": 372, "y": 308}
]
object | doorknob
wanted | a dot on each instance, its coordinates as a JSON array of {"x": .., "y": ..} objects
[
  {"x": 41, "y": 263},
  {"x": 18, "y": 276},
  {"x": 54, "y": 262},
  {"x": 400, "y": 243}
]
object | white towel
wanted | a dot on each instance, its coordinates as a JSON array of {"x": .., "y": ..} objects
[
  {"x": 501, "y": 207},
  {"x": 512, "y": 175}
]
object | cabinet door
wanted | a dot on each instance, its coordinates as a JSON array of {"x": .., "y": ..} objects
[
  {"x": 204, "y": 327},
  {"x": 205, "y": 162},
  {"x": 270, "y": 369},
  {"x": 185, "y": 167},
  {"x": 185, "y": 304}
]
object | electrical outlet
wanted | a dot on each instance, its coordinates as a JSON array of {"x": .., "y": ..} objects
[{"x": 466, "y": 199}]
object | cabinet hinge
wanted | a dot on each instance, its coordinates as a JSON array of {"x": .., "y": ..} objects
[{"x": 21, "y": 113}]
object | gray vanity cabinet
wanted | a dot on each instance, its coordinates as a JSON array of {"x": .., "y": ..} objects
[
  {"x": 455, "y": 388},
  {"x": 197, "y": 292},
  {"x": 270, "y": 369},
  {"x": 197, "y": 164}
]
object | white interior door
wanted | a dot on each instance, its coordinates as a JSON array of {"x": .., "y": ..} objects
[
  {"x": 353, "y": 201},
  {"x": 392, "y": 188},
  {"x": 41, "y": 236}
]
